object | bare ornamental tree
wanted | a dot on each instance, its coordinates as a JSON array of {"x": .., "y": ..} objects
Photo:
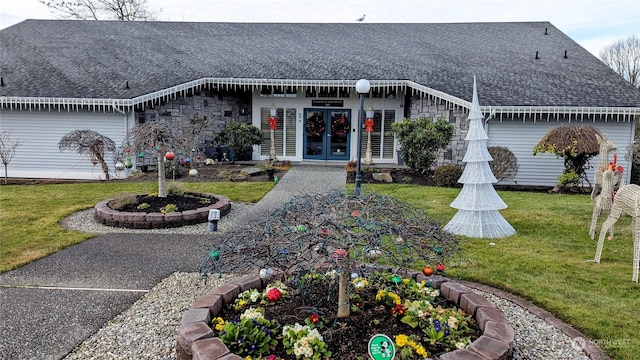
[
  {"x": 623, "y": 57},
  {"x": 122, "y": 10},
  {"x": 161, "y": 136},
  {"x": 7, "y": 149},
  {"x": 91, "y": 143},
  {"x": 576, "y": 144}
]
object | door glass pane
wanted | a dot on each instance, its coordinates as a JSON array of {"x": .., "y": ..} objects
[
  {"x": 314, "y": 131},
  {"x": 340, "y": 130}
]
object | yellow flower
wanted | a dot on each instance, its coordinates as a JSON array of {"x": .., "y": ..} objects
[
  {"x": 401, "y": 340},
  {"x": 405, "y": 281},
  {"x": 248, "y": 358},
  {"x": 218, "y": 323},
  {"x": 421, "y": 351},
  {"x": 381, "y": 294}
]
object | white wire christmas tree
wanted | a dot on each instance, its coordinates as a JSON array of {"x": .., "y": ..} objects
[{"x": 478, "y": 202}]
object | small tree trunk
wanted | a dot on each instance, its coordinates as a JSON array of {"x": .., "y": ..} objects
[
  {"x": 162, "y": 189},
  {"x": 344, "y": 309},
  {"x": 5, "y": 173},
  {"x": 103, "y": 164}
]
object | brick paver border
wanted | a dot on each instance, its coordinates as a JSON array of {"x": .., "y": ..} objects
[
  {"x": 195, "y": 339},
  {"x": 143, "y": 220}
]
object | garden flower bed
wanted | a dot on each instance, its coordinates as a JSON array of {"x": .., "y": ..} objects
[
  {"x": 294, "y": 318},
  {"x": 140, "y": 218}
]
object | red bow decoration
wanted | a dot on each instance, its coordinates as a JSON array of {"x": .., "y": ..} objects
[
  {"x": 273, "y": 123},
  {"x": 368, "y": 125}
]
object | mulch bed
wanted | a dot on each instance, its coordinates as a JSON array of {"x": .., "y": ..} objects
[{"x": 185, "y": 202}]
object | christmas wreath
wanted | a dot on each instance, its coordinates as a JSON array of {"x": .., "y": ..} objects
[
  {"x": 315, "y": 126},
  {"x": 340, "y": 127}
]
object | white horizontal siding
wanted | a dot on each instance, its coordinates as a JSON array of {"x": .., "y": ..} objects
[
  {"x": 543, "y": 169},
  {"x": 38, "y": 156}
]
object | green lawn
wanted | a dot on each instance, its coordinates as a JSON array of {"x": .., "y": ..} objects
[
  {"x": 544, "y": 263},
  {"x": 30, "y": 214}
]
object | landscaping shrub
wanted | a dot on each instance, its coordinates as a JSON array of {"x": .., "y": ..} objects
[
  {"x": 421, "y": 139},
  {"x": 504, "y": 165},
  {"x": 240, "y": 138},
  {"x": 447, "y": 175},
  {"x": 122, "y": 201},
  {"x": 176, "y": 189}
]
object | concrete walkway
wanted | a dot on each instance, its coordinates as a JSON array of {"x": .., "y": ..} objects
[{"x": 44, "y": 304}]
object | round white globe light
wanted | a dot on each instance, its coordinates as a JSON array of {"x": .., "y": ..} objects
[{"x": 363, "y": 86}]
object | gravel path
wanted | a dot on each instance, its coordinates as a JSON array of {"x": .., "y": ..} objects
[{"x": 147, "y": 329}]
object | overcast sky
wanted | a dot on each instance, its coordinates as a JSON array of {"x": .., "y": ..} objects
[{"x": 594, "y": 24}]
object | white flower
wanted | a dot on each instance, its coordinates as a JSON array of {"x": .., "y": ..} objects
[
  {"x": 461, "y": 345},
  {"x": 252, "y": 313},
  {"x": 453, "y": 322},
  {"x": 333, "y": 274}
]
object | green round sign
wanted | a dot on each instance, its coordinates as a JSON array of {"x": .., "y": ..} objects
[{"x": 381, "y": 347}]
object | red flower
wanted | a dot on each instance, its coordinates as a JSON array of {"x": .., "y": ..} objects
[
  {"x": 324, "y": 232},
  {"x": 274, "y": 295},
  {"x": 440, "y": 267},
  {"x": 397, "y": 310},
  {"x": 314, "y": 318},
  {"x": 355, "y": 214}
]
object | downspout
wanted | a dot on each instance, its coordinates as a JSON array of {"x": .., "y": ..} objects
[{"x": 492, "y": 114}]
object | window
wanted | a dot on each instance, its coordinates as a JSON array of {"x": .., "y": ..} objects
[{"x": 285, "y": 145}]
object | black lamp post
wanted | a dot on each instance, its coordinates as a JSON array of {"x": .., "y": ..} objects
[{"x": 362, "y": 87}]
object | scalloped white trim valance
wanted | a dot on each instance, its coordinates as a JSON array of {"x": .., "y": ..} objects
[{"x": 624, "y": 114}]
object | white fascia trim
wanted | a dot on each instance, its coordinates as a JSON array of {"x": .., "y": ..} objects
[{"x": 251, "y": 84}]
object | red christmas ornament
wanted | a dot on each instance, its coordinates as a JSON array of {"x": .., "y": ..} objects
[
  {"x": 427, "y": 270},
  {"x": 340, "y": 254},
  {"x": 169, "y": 155},
  {"x": 440, "y": 267},
  {"x": 274, "y": 295}
]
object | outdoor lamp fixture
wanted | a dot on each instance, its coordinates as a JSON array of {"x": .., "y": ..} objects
[
  {"x": 273, "y": 125},
  {"x": 368, "y": 127},
  {"x": 362, "y": 87}
]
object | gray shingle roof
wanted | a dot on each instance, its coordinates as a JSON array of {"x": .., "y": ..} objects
[{"x": 94, "y": 59}]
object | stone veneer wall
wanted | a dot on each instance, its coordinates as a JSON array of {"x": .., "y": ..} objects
[
  {"x": 432, "y": 108},
  {"x": 219, "y": 107},
  {"x": 196, "y": 341}
]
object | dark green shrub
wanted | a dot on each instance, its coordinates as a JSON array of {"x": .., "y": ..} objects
[
  {"x": 504, "y": 165},
  {"x": 240, "y": 138},
  {"x": 447, "y": 175},
  {"x": 421, "y": 139}
]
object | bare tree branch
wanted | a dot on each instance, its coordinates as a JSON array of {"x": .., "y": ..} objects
[
  {"x": 123, "y": 10},
  {"x": 7, "y": 149},
  {"x": 623, "y": 57},
  {"x": 91, "y": 143},
  {"x": 160, "y": 136}
]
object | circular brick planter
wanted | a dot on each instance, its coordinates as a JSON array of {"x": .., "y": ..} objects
[
  {"x": 143, "y": 220},
  {"x": 195, "y": 339}
]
